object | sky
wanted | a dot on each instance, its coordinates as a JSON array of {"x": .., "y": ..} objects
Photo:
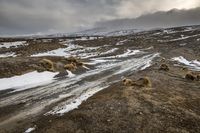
[{"x": 54, "y": 16}]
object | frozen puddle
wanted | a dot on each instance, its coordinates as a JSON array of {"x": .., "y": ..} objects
[
  {"x": 27, "y": 80},
  {"x": 194, "y": 64}
]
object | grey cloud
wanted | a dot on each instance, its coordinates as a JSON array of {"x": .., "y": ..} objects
[
  {"x": 171, "y": 18},
  {"x": 45, "y": 16},
  {"x": 18, "y": 16}
]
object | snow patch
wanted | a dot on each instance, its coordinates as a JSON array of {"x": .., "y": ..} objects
[
  {"x": 182, "y": 38},
  {"x": 71, "y": 50},
  {"x": 194, "y": 64},
  {"x": 73, "y": 104},
  {"x": 70, "y": 74},
  {"x": 129, "y": 53},
  {"x": 137, "y": 64},
  {"x": 99, "y": 60},
  {"x": 10, "y": 54},
  {"x": 87, "y": 38},
  {"x": 183, "y": 44},
  {"x": 121, "y": 42},
  {"x": 57, "y": 52},
  {"x": 27, "y": 80},
  {"x": 12, "y": 44},
  {"x": 29, "y": 130},
  {"x": 110, "y": 51},
  {"x": 86, "y": 67}
]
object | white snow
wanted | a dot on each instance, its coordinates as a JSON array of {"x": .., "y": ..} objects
[
  {"x": 135, "y": 64},
  {"x": 57, "y": 52},
  {"x": 9, "y": 44},
  {"x": 83, "y": 52},
  {"x": 70, "y": 74},
  {"x": 11, "y": 54},
  {"x": 182, "y": 38},
  {"x": 74, "y": 103},
  {"x": 157, "y": 33},
  {"x": 121, "y": 42},
  {"x": 46, "y": 40},
  {"x": 82, "y": 92},
  {"x": 126, "y": 54},
  {"x": 29, "y": 130},
  {"x": 171, "y": 31},
  {"x": 100, "y": 60},
  {"x": 183, "y": 44},
  {"x": 86, "y": 67},
  {"x": 188, "y": 29},
  {"x": 86, "y": 38},
  {"x": 110, "y": 51},
  {"x": 71, "y": 50},
  {"x": 129, "y": 53},
  {"x": 194, "y": 64},
  {"x": 32, "y": 79},
  {"x": 168, "y": 31}
]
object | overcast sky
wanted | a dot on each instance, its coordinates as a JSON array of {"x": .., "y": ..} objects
[{"x": 50, "y": 16}]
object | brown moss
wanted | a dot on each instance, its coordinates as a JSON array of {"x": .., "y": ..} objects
[
  {"x": 143, "y": 82},
  {"x": 185, "y": 69},
  {"x": 190, "y": 76},
  {"x": 75, "y": 60},
  {"x": 127, "y": 82},
  {"x": 164, "y": 67},
  {"x": 70, "y": 67},
  {"x": 72, "y": 59},
  {"x": 163, "y": 60},
  {"x": 198, "y": 77},
  {"x": 79, "y": 63},
  {"x": 47, "y": 64}
]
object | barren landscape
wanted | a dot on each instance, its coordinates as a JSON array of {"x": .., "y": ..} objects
[{"x": 75, "y": 85}]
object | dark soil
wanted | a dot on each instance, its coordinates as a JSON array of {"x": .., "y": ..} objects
[{"x": 33, "y": 47}]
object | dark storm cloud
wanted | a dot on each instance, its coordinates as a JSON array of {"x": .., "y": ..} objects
[
  {"x": 46, "y": 16},
  {"x": 23, "y": 16}
]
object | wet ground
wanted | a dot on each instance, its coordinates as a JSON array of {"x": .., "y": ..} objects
[{"x": 170, "y": 105}]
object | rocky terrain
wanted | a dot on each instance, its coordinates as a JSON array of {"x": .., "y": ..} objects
[{"x": 143, "y": 82}]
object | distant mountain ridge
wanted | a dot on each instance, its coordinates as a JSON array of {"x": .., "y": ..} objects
[
  {"x": 118, "y": 27},
  {"x": 161, "y": 19}
]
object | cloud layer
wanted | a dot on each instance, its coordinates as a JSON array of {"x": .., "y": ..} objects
[
  {"x": 159, "y": 19},
  {"x": 48, "y": 16}
]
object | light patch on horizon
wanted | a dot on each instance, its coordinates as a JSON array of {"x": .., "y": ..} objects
[{"x": 132, "y": 8}]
